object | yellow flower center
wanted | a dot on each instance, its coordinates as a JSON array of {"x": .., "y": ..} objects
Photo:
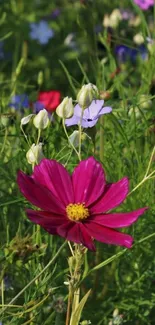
[{"x": 77, "y": 212}]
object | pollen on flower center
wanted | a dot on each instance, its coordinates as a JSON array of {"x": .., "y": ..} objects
[{"x": 77, "y": 212}]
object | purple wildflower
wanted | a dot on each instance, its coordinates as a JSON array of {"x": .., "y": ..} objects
[
  {"x": 125, "y": 53},
  {"x": 19, "y": 101},
  {"x": 41, "y": 32},
  {"x": 38, "y": 106},
  {"x": 144, "y": 4},
  {"x": 90, "y": 114}
]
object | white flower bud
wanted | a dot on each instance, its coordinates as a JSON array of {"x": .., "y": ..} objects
[
  {"x": 41, "y": 120},
  {"x": 115, "y": 18},
  {"x": 86, "y": 94},
  {"x": 138, "y": 39},
  {"x": 26, "y": 119},
  {"x": 35, "y": 154},
  {"x": 74, "y": 138},
  {"x": 65, "y": 109}
]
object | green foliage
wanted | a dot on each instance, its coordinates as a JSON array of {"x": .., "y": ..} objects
[{"x": 123, "y": 142}]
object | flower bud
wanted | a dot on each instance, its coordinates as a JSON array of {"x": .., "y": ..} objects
[
  {"x": 65, "y": 109},
  {"x": 40, "y": 78},
  {"x": 86, "y": 94},
  {"x": 41, "y": 120},
  {"x": 138, "y": 39},
  {"x": 35, "y": 154},
  {"x": 74, "y": 138},
  {"x": 26, "y": 119}
]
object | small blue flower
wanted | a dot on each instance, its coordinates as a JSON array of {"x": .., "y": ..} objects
[
  {"x": 19, "y": 101},
  {"x": 41, "y": 32},
  {"x": 38, "y": 106},
  {"x": 125, "y": 53}
]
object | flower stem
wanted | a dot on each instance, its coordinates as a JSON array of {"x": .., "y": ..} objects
[
  {"x": 80, "y": 133},
  {"x": 69, "y": 307},
  {"x": 150, "y": 161},
  {"x": 101, "y": 138},
  {"x": 64, "y": 127}
]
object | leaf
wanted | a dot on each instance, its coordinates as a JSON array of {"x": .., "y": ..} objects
[{"x": 75, "y": 318}]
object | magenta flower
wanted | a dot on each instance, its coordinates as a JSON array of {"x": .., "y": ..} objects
[
  {"x": 144, "y": 4},
  {"x": 90, "y": 114},
  {"x": 78, "y": 207}
]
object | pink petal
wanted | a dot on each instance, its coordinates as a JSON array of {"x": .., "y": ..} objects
[
  {"x": 86, "y": 240},
  {"x": 46, "y": 220},
  {"x": 55, "y": 178},
  {"x": 113, "y": 197},
  {"x": 118, "y": 220},
  {"x": 76, "y": 233},
  {"x": 108, "y": 236},
  {"x": 88, "y": 181},
  {"x": 38, "y": 194}
]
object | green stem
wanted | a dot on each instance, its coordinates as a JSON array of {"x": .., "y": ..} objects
[
  {"x": 5, "y": 139},
  {"x": 64, "y": 127},
  {"x": 101, "y": 138},
  {"x": 80, "y": 134},
  {"x": 150, "y": 161}
]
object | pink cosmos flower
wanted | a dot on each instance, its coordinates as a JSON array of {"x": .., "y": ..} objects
[
  {"x": 144, "y": 4},
  {"x": 78, "y": 207}
]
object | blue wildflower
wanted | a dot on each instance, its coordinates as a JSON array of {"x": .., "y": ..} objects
[
  {"x": 19, "y": 101},
  {"x": 38, "y": 106},
  {"x": 125, "y": 53},
  {"x": 41, "y": 32}
]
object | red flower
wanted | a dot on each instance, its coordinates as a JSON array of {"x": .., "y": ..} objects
[
  {"x": 50, "y": 99},
  {"x": 78, "y": 207}
]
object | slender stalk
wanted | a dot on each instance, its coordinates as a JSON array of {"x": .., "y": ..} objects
[
  {"x": 101, "y": 138},
  {"x": 150, "y": 161},
  {"x": 2, "y": 292},
  {"x": 64, "y": 127},
  {"x": 80, "y": 133},
  {"x": 69, "y": 306},
  {"x": 4, "y": 142}
]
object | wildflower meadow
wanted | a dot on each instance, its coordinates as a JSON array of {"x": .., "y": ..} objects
[{"x": 77, "y": 162}]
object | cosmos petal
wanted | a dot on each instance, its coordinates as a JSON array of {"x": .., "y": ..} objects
[
  {"x": 38, "y": 195},
  {"x": 114, "y": 196},
  {"x": 77, "y": 233},
  {"x": 49, "y": 221},
  {"x": 88, "y": 181},
  {"x": 108, "y": 236},
  {"x": 52, "y": 175},
  {"x": 118, "y": 220},
  {"x": 86, "y": 239}
]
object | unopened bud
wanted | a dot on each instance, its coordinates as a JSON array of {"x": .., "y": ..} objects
[
  {"x": 138, "y": 39},
  {"x": 41, "y": 120},
  {"x": 40, "y": 78},
  {"x": 26, "y": 119},
  {"x": 86, "y": 94},
  {"x": 65, "y": 109},
  {"x": 35, "y": 154},
  {"x": 74, "y": 138}
]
